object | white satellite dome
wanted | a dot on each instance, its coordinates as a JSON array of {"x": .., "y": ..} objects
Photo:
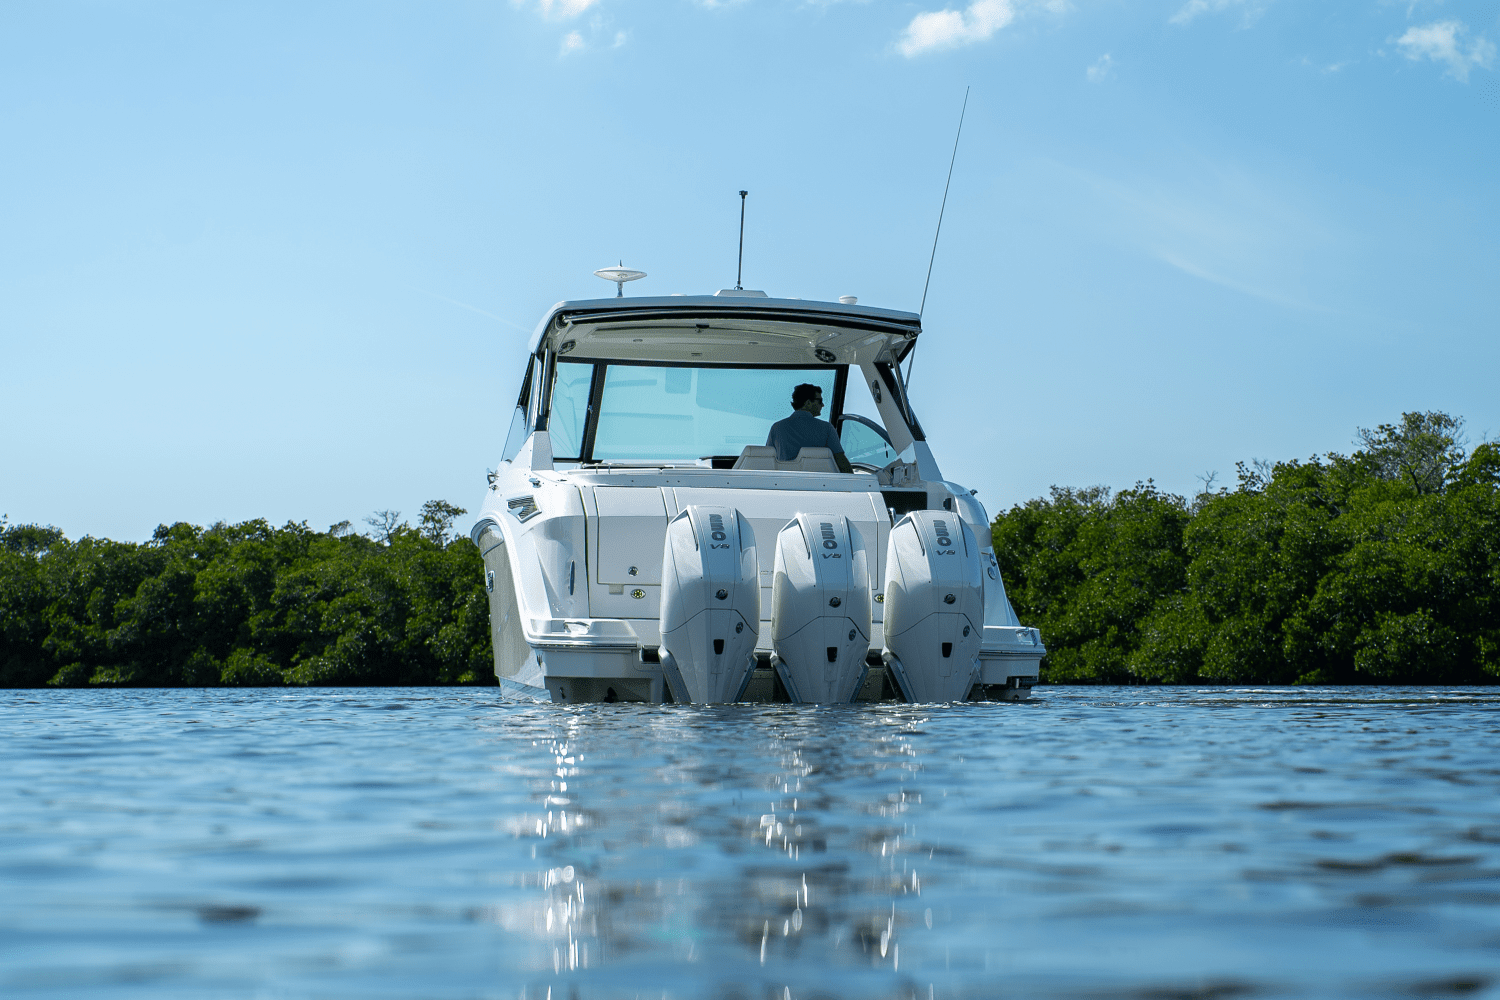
[{"x": 619, "y": 275}]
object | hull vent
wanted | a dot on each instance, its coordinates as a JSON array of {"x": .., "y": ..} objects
[{"x": 523, "y": 507}]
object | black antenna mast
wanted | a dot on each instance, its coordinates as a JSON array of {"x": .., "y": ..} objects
[
  {"x": 941, "y": 209},
  {"x": 740, "y": 268}
]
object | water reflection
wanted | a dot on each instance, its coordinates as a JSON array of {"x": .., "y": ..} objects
[
  {"x": 1104, "y": 843},
  {"x": 774, "y": 847},
  {"x": 858, "y": 851}
]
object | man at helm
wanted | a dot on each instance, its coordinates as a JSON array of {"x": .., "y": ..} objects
[{"x": 803, "y": 429}]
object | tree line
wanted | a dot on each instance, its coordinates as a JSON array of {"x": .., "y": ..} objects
[
  {"x": 1379, "y": 567},
  {"x": 246, "y": 604}
]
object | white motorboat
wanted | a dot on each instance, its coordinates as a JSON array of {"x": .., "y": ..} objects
[{"x": 642, "y": 543}]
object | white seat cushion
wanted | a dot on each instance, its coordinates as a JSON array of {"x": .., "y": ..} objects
[
  {"x": 757, "y": 456},
  {"x": 809, "y": 460}
]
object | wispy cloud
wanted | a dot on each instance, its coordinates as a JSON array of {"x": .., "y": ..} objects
[
  {"x": 598, "y": 32},
  {"x": 1101, "y": 70},
  {"x": 934, "y": 30},
  {"x": 1213, "y": 221},
  {"x": 564, "y": 9},
  {"x": 1441, "y": 42},
  {"x": 1202, "y": 273},
  {"x": 1250, "y": 9},
  {"x": 1328, "y": 69},
  {"x": 472, "y": 309}
]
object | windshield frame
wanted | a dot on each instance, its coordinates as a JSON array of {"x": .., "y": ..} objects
[{"x": 596, "y": 390}]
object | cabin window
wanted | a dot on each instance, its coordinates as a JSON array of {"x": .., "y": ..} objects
[
  {"x": 516, "y": 436},
  {"x": 679, "y": 413},
  {"x": 570, "y": 409},
  {"x": 520, "y": 426},
  {"x": 864, "y": 442},
  {"x": 533, "y": 393}
]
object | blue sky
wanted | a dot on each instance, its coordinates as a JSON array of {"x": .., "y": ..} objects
[{"x": 280, "y": 260}]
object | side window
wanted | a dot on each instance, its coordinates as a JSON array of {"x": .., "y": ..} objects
[
  {"x": 864, "y": 443},
  {"x": 519, "y": 430},
  {"x": 532, "y": 396},
  {"x": 520, "y": 427},
  {"x": 570, "y": 409}
]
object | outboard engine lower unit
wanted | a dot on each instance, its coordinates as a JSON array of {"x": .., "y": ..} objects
[
  {"x": 820, "y": 609},
  {"x": 710, "y": 604},
  {"x": 934, "y": 606}
]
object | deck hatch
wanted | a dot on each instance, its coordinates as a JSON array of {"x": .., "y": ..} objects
[{"x": 632, "y": 528}]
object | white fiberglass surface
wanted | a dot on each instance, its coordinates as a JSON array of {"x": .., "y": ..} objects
[{"x": 679, "y": 413}]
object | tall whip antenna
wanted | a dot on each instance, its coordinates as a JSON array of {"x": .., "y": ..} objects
[
  {"x": 922, "y": 308},
  {"x": 941, "y": 209},
  {"x": 740, "y": 268}
]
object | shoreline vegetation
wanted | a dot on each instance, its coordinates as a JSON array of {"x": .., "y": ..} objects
[
  {"x": 246, "y": 605},
  {"x": 1381, "y": 567}
]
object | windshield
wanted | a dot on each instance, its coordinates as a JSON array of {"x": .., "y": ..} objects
[{"x": 674, "y": 413}]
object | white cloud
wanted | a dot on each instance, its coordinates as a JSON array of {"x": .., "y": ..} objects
[
  {"x": 565, "y": 9},
  {"x": 1102, "y": 68},
  {"x": 1440, "y": 42},
  {"x": 947, "y": 29},
  {"x": 1328, "y": 69},
  {"x": 1190, "y": 10},
  {"x": 596, "y": 33}
]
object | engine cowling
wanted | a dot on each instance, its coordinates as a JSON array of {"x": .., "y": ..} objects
[
  {"x": 820, "y": 608},
  {"x": 934, "y": 606},
  {"x": 710, "y": 604}
]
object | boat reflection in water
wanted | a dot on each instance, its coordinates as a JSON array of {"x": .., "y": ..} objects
[
  {"x": 1110, "y": 843},
  {"x": 743, "y": 863}
]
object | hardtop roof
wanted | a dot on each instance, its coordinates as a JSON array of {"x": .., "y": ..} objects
[{"x": 727, "y": 329}]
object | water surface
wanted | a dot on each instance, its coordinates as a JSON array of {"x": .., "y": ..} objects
[{"x": 1095, "y": 842}]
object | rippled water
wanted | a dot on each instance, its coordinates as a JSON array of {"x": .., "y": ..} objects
[{"x": 1104, "y": 842}]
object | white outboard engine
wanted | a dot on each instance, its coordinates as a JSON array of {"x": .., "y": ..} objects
[
  {"x": 710, "y": 604},
  {"x": 820, "y": 608},
  {"x": 934, "y": 606}
]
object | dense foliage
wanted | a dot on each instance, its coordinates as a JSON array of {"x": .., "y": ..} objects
[
  {"x": 1378, "y": 568},
  {"x": 245, "y": 604}
]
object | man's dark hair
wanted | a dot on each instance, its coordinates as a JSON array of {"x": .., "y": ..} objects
[{"x": 803, "y": 393}]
